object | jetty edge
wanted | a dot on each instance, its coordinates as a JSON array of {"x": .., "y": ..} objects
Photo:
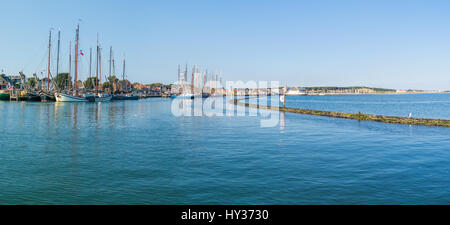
[{"x": 353, "y": 116}]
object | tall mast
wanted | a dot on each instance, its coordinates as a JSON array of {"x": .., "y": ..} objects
[
  {"x": 75, "y": 91},
  {"x": 123, "y": 73},
  {"x": 217, "y": 79},
  {"x": 90, "y": 62},
  {"x": 100, "y": 68},
  {"x": 114, "y": 75},
  {"x": 49, "y": 53},
  {"x": 57, "y": 54},
  {"x": 110, "y": 60},
  {"x": 205, "y": 78},
  {"x": 70, "y": 62},
  {"x": 192, "y": 80},
  {"x": 96, "y": 80},
  {"x": 185, "y": 74},
  {"x": 179, "y": 72}
]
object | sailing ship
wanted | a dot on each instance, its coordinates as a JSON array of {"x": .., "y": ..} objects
[
  {"x": 27, "y": 93},
  {"x": 4, "y": 95},
  {"x": 190, "y": 91},
  {"x": 183, "y": 93},
  {"x": 65, "y": 97},
  {"x": 125, "y": 95},
  {"x": 6, "y": 87},
  {"x": 47, "y": 95},
  {"x": 62, "y": 97},
  {"x": 100, "y": 96}
]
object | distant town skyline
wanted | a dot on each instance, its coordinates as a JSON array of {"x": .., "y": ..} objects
[{"x": 388, "y": 44}]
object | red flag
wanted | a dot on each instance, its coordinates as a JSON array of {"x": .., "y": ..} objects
[{"x": 81, "y": 52}]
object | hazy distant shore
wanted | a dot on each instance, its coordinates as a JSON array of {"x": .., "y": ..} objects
[{"x": 379, "y": 93}]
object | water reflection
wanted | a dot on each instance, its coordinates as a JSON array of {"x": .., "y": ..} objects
[
  {"x": 112, "y": 115},
  {"x": 75, "y": 110},
  {"x": 58, "y": 153}
]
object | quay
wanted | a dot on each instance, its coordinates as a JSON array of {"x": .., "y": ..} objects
[
  {"x": 14, "y": 95},
  {"x": 354, "y": 116}
]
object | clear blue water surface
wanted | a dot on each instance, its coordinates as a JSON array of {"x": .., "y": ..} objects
[
  {"x": 434, "y": 106},
  {"x": 137, "y": 152}
]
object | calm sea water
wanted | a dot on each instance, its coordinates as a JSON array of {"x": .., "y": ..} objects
[
  {"x": 137, "y": 152},
  {"x": 420, "y": 105}
]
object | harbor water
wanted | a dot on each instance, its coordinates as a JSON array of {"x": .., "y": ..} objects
[
  {"x": 138, "y": 152},
  {"x": 433, "y": 106}
]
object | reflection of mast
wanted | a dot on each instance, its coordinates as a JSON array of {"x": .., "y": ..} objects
[{"x": 75, "y": 110}]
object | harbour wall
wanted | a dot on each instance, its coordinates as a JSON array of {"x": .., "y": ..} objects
[{"x": 353, "y": 116}]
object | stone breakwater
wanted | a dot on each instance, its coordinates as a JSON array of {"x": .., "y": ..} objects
[{"x": 353, "y": 116}]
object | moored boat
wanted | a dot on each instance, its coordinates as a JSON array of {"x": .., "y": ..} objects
[
  {"x": 47, "y": 97},
  {"x": 4, "y": 95},
  {"x": 103, "y": 98},
  {"x": 126, "y": 94},
  {"x": 61, "y": 97},
  {"x": 119, "y": 97},
  {"x": 184, "y": 95},
  {"x": 26, "y": 95}
]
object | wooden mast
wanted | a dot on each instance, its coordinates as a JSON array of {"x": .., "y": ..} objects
[
  {"x": 111, "y": 67},
  {"x": 192, "y": 80},
  {"x": 96, "y": 80},
  {"x": 75, "y": 91},
  {"x": 90, "y": 62},
  {"x": 179, "y": 72},
  {"x": 123, "y": 74},
  {"x": 49, "y": 53},
  {"x": 100, "y": 68},
  {"x": 110, "y": 60},
  {"x": 185, "y": 74},
  {"x": 114, "y": 76},
  {"x": 205, "y": 78},
  {"x": 70, "y": 64},
  {"x": 57, "y": 55}
]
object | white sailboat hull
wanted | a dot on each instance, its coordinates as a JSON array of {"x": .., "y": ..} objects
[
  {"x": 186, "y": 95},
  {"x": 68, "y": 98}
]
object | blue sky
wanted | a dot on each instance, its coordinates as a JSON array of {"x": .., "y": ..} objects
[{"x": 393, "y": 44}]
